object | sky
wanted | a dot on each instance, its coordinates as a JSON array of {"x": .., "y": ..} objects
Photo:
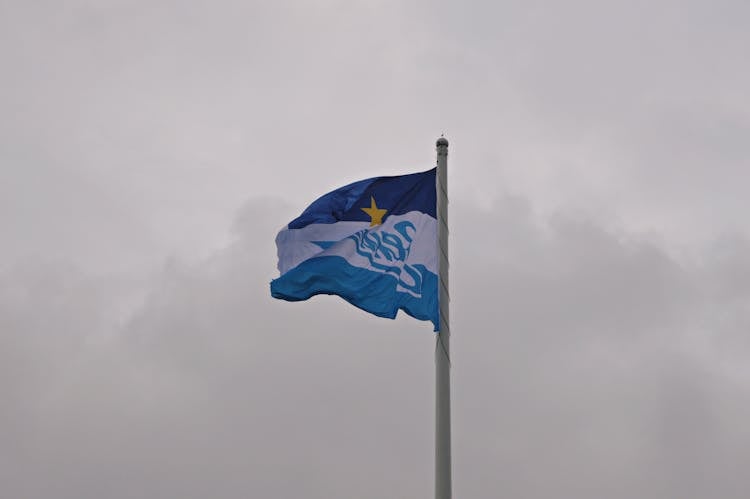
[{"x": 600, "y": 272}]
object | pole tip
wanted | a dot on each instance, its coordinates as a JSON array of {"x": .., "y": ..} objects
[{"x": 442, "y": 142}]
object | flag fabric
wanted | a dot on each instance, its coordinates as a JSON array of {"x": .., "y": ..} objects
[{"x": 372, "y": 242}]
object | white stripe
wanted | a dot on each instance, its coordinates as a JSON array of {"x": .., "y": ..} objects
[{"x": 295, "y": 246}]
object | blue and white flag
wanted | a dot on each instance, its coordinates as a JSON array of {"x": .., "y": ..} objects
[{"x": 373, "y": 243}]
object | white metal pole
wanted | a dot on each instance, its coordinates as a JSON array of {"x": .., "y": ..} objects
[{"x": 443, "y": 485}]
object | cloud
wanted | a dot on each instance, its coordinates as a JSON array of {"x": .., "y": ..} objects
[
  {"x": 599, "y": 250},
  {"x": 586, "y": 362},
  {"x": 597, "y": 366}
]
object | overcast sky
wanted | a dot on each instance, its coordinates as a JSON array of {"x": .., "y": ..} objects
[{"x": 599, "y": 155}]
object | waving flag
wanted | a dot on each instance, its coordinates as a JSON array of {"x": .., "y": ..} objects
[{"x": 373, "y": 243}]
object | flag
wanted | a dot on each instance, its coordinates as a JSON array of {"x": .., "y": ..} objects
[{"x": 372, "y": 242}]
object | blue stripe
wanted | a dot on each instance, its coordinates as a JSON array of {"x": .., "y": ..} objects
[
  {"x": 373, "y": 292},
  {"x": 398, "y": 195}
]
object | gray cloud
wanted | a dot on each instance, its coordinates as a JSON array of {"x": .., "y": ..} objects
[
  {"x": 585, "y": 362},
  {"x": 600, "y": 272}
]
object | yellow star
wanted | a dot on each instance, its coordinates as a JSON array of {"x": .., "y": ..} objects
[{"x": 376, "y": 214}]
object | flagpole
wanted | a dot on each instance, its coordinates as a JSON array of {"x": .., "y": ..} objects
[{"x": 443, "y": 487}]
